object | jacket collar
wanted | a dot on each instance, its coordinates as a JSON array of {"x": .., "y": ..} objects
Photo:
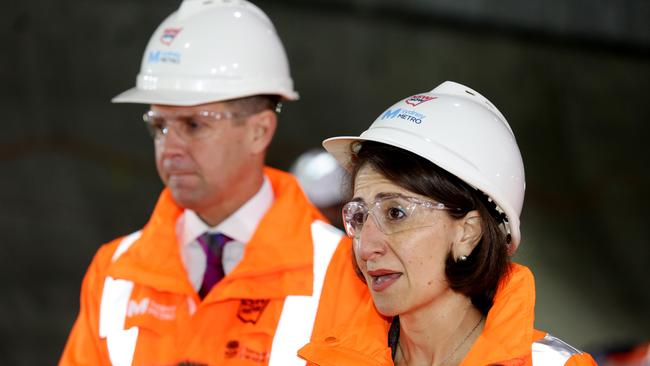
[
  {"x": 505, "y": 340},
  {"x": 279, "y": 255},
  {"x": 508, "y": 332}
]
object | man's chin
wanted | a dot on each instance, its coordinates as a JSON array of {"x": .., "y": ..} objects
[{"x": 185, "y": 197}]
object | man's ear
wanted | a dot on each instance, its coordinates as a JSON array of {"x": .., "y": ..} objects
[
  {"x": 470, "y": 233},
  {"x": 261, "y": 130}
]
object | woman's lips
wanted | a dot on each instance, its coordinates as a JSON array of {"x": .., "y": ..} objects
[{"x": 381, "y": 279}]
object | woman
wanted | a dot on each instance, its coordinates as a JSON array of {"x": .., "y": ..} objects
[{"x": 438, "y": 188}]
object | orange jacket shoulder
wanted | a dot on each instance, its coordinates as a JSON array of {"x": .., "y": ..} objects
[{"x": 84, "y": 346}]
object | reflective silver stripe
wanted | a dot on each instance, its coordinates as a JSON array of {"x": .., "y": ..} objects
[
  {"x": 112, "y": 312},
  {"x": 551, "y": 351},
  {"x": 299, "y": 312},
  {"x": 125, "y": 244}
]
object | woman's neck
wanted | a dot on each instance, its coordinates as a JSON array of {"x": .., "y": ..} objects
[{"x": 438, "y": 333}]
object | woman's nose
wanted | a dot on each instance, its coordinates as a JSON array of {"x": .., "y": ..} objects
[{"x": 371, "y": 241}]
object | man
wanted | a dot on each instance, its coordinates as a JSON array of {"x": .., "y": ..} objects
[{"x": 231, "y": 267}]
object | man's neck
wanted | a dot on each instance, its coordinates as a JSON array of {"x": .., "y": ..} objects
[{"x": 232, "y": 198}]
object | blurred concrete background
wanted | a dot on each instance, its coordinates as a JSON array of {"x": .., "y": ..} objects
[{"x": 572, "y": 77}]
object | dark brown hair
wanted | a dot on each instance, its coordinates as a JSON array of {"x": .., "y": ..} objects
[
  {"x": 256, "y": 103},
  {"x": 479, "y": 275}
]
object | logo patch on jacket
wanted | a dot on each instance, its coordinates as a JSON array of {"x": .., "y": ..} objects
[
  {"x": 146, "y": 306},
  {"x": 236, "y": 350},
  {"x": 250, "y": 310}
]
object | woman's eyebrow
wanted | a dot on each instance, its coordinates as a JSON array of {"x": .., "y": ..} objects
[
  {"x": 378, "y": 196},
  {"x": 381, "y": 195}
]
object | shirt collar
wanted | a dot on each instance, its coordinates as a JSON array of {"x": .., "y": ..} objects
[{"x": 240, "y": 225}]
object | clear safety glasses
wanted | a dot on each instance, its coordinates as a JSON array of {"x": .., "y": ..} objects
[
  {"x": 191, "y": 126},
  {"x": 393, "y": 213}
]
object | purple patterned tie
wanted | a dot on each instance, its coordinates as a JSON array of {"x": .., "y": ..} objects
[{"x": 212, "y": 244}]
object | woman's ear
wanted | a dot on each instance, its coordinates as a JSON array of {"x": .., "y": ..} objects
[
  {"x": 469, "y": 236},
  {"x": 262, "y": 128}
]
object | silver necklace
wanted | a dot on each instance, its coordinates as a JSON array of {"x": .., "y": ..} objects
[
  {"x": 457, "y": 347},
  {"x": 463, "y": 342}
]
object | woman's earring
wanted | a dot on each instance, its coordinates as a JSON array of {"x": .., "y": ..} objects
[{"x": 462, "y": 258}]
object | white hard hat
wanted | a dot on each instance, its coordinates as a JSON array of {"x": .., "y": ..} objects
[
  {"x": 320, "y": 176},
  {"x": 210, "y": 51},
  {"x": 459, "y": 130}
]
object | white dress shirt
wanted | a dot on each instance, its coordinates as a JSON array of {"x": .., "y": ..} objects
[{"x": 240, "y": 226}]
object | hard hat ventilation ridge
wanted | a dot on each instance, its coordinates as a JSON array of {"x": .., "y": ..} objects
[{"x": 497, "y": 213}]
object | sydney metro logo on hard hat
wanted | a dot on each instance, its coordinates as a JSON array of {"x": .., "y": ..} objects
[
  {"x": 169, "y": 34},
  {"x": 418, "y": 99}
]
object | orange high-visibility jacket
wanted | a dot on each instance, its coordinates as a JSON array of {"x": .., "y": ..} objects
[
  {"x": 508, "y": 337},
  {"x": 295, "y": 280}
]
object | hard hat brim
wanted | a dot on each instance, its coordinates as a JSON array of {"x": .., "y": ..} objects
[{"x": 183, "y": 98}]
